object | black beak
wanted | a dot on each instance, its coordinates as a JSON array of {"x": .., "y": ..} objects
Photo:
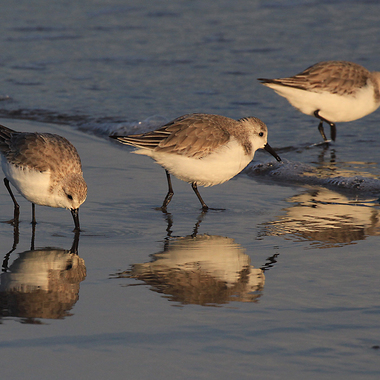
[
  {"x": 75, "y": 214},
  {"x": 270, "y": 150},
  {"x": 74, "y": 247}
]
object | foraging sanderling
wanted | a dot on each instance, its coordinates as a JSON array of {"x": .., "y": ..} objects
[
  {"x": 44, "y": 168},
  {"x": 202, "y": 149},
  {"x": 332, "y": 91}
]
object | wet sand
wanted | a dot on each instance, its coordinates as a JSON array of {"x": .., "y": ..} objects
[{"x": 253, "y": 296}]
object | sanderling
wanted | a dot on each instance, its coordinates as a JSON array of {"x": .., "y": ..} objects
[
  {"x": 332, "y": 91},
  {"x": 202, "y": 149},
  {"x": 44, "y": 168}
]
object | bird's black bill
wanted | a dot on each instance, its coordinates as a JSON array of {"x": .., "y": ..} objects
[
  {"x": 270, "y": 150},
  {"x": 75, "y": 214}
]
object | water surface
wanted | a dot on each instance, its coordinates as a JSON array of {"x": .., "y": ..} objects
[{"x": 282, "y": 284}]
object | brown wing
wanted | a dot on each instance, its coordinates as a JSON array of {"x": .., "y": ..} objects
[
  {"x": 337, "y": 77},
  {"x": 41, "y": 151},
  {"x": 193, "y": 135}
]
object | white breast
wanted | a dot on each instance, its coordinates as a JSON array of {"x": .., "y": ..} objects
[
  {"x": 31, "y": 184},
  {"x": 216, "y": 168},
  {"x": 333, "y": 107}
]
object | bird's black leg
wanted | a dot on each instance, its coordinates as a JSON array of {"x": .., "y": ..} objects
[
  {"x": 333, "y": 131},
  {"x": 195, "y": 188},
  {"x": 321, "y": 131},
  {"x": 16, "y": 212},
  {"x": 33, "y": 236},
  {"x": 34, "y": 214},
  {"x": 320, "y": 126},
  {"x": 74, "y": 247},
  {"x": 170, "y": 193}
]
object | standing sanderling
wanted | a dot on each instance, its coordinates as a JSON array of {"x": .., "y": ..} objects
[
  {"x": 44, "y": 168},
  {"x": 202, "y": 149},
  {"x": 332, "y": 91}
]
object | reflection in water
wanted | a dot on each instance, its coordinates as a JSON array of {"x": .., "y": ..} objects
[
  {"x": 41, "y": 283},
  {"x": 201, "y": 269},
  {"x": 327, "y": 219}
]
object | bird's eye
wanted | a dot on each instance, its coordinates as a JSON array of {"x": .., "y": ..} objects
[
  {"x": 261, "y": 134},
  {"x": 70, "y": 197}
]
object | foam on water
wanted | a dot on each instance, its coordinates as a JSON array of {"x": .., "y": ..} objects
[
  {"x": 102, "y": 127},
  {"x": 297, "y": 173}
]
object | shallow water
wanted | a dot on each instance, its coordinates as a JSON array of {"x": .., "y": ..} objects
[{"x": 281, "y": 284}]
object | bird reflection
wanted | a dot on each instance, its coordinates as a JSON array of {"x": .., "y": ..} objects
[
  {"x": 326, "y": 219},
  {"x": 201, "y": 269},
  {"x": 41, "y": 283}
]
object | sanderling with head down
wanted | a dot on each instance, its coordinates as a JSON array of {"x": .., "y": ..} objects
[
  {"x": 44, "y": 168},
  {"x": 202, "y": 149},
  {"x": 332, "y": 91}
]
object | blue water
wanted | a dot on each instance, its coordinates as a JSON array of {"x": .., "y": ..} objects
[{"x": 282, "y": 284}]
